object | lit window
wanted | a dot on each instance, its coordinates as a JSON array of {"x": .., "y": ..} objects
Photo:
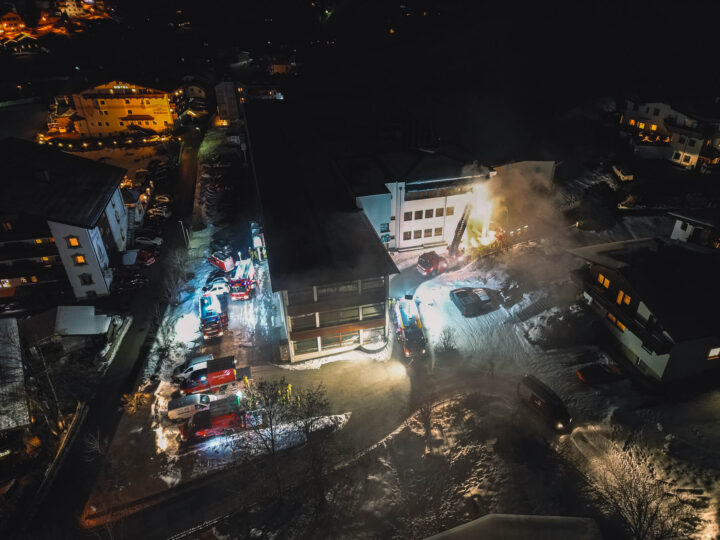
[
  {"x": 631, "y": 122},
  {"x": 33, "y": 279},
  {"x": 626, "y": 300},
  {"x": 622, "y": 298},
  {"x": 79, "y": 260},
  {"x": 612, "y": 317},
  {"x": 73, "y": 241},
  {"x": 653, "y": 127},
  {"x": 714, "y": 353},
  {"x": 7, "y": 226},
  {"x": 45, "y": 259},
  {"x": 38, "y": 240},
  {"x": 621, "y": 326},
  {"x": 51, "y": 240},
  {"x": 641, "y": 125},
  {"x": 23, "y": 280},
  {"x": 602, "y": 280}
]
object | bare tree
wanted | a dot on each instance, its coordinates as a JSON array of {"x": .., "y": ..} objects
[
  {"x": 309, "y": 413},
  {"x": 628, "y": 486},
  {"x": 272, "y": 398},
  {"x": 173, "y": 276},
  {"x": 446, "y": 343}
]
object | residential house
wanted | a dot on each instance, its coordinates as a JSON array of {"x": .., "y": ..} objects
[
  {"x": 658, "y": 298},
  {"x": 118, "y": 107},
  {"x": 329, "y": 272},
  {"x": 57, "y": 205},
  {"x": 11, "y": 23},
  {"x": 698, "y": 227}
]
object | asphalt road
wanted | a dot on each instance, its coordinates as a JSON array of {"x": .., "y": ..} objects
[{"x": 56, "y": 516}]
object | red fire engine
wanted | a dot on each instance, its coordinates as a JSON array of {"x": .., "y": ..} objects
[
  {"x": 223, "y": 417},
  {"x": 242, "y": 282},
  {"x": 218, "y": 373}
]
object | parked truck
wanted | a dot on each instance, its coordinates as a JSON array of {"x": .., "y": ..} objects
[
  {"x": 408, "y": 327},
  {"x": 222, "y": 417},
  {"x": 217, "y": 373},
  {"x": 431, "y": 264},
  {"x": 213, "y": 315},
  {"x": 242, "y": 282}
]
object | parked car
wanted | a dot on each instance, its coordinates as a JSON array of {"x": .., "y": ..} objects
[
  {"x": 600, "y": 373},
  {"x": 217, "y": 287},
  {"x": 148, "y": 240},
  {"x": 541, "y": 399},
  {"x": 162, "y": 198},
  {"x": 145, "y": 258},
  {"x": 204, "y": 358},
  {"x": 184, "y": 407},
  {"x": 470, "y": 301},
  {"x": 156, "y": 211},
  {"x": 222, "y": 261},
  {"x": 125, "y": 284}
]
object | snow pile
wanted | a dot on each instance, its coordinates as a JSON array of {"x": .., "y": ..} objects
[{"x": 356, "y": 355}]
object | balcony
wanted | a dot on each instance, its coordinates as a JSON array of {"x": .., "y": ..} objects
[{"x": 372, "y": 296}]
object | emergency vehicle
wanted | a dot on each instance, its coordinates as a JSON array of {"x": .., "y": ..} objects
[
  {"x": 222, "y": 417},
  {"x": 218, "y": 373},
  {"x": 242, "y": 282},
  {"x": 408, "y": 327},
  {"x": 213, "y": 315}
]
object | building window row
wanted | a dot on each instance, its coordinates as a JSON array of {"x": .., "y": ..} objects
[
  {"x": 429, "y": 213},
  {"x": 616, "y": 322},
  {"x": 422, "y": 233},
  {"x": 602, "y": 280}
]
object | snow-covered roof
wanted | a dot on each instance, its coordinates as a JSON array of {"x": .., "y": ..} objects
[
  {"x": 13, "y": 401},
  {"x": 80, "y": 321}
]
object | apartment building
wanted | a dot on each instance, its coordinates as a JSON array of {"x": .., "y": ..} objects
[
  {"x": 685, "y": 133},
  {"x": 119, "y": 107},
  {"x": 326, "y": 265},
  {"x": 415, "y": 199},
  {"x": 59, "y": 210},
  {"x": 658, "y": 298}
]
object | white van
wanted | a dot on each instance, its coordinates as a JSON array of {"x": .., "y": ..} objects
[
  {"x": 184, "y": 407},
  {"x": 184, "y": 370}
]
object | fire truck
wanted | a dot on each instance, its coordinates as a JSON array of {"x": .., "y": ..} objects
[
  {"x": 430, "y": 263},
  {"x": 213, "y": 315},
  {"x": 408, "y": 327},
  {"x": 218, "y": 373},
  {"x": 223, "y": 417},
  {"x": 242, "y": 282}
]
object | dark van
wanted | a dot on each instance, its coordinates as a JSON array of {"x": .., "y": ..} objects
[{"x": 536, "y": 395}]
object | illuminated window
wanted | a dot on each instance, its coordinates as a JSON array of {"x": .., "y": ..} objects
[
  {"x": 631, "y": 121},
  {"x": 79, "y": 260},
  {"x": 33, "y": 279},
  {"x": 450, "y": 210},
  {"x": 38, "y": 240},
  {"x": 45, "y": 259},
  {"x": 73, "y": 241},
  {"x": 7, "y": 226},
  {"x": 612, "y": 317},
  {"x": 641, "y": 125},
  {"x": 602, "y": 280},
  {"x": 653, "y": 127},
  {"x": 621, "y": 326},
  {"x": 714, "y": 353},
  {"x": 622, "y": 298},
  {"x": 51, "y": 240},
  {"x": 23, "y": 280}
]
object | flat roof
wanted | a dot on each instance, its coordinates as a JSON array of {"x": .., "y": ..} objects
[
  {"x": 314, "y": 232},
  {"x": 45, "y": 182},
  {"x": 705, "y": 216}
]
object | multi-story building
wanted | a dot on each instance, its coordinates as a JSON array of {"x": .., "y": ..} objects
[
  {"x": 699, "y": 227},
  {"x": 230, "y": 96},
  {"x": 118, "y": 107},
  {"x": 415, "y": 199},
  {"x": 326, "y": 265},
  {"x": 658, "y": 298},
  {"x": 683, "y": 134},
  {"x": 11, "y": 23},
  {"x": 57, "y": 207}
]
